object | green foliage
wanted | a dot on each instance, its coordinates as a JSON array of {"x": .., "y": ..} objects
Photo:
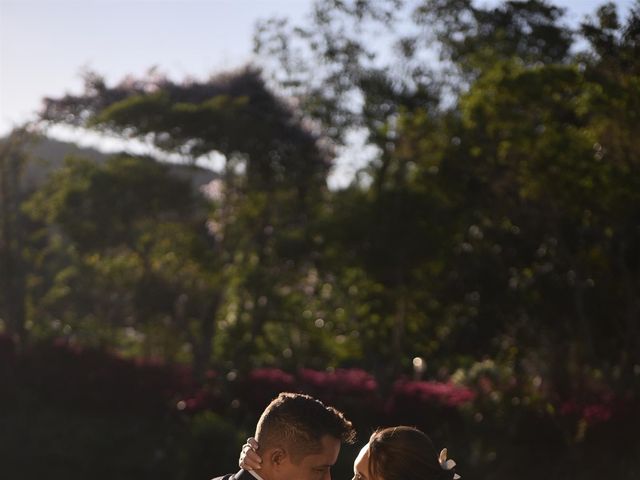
[
  {"x": 475, "y": 37},
  {"x": 14, "y": 231},
  {"x": 57, "y": 443},
  {"x": 498, "y": 223},
  {"x": 195, "y": 119},
  {"x": 211, "y": 446},
  {"x": 110, "y": 205}
]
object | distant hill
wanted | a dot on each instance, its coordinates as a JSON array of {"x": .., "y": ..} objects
[{"x": 48, "y": 155}]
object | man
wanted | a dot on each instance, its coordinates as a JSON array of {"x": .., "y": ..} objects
[{"x": 299, "y": 439}]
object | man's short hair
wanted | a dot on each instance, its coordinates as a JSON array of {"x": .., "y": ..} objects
[{"x": 297, "y": 423}]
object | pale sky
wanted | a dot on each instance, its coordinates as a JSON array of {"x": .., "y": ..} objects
[{"x": 45, "y": 44}]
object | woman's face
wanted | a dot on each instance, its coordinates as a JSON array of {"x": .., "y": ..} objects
[{"x": 361, "y": 465}]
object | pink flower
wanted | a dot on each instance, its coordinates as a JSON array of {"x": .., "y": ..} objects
[
  {"x": 447, "y": 394},
  {"x": 596, "y": 413}
]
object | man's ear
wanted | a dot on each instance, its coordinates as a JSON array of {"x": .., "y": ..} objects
[{"x": 277, "y": 456}]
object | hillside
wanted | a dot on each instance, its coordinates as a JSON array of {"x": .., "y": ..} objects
[{"x": 48, "y": 154}]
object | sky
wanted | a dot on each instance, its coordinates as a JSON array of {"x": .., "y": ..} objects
[{"x": 46, "y": 44}]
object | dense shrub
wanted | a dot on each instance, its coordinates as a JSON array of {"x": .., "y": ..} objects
[
  {"x": 94, "y": 380},
  {"x": 70, "y": 413}
]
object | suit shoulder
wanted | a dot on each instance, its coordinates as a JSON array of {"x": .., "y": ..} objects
[
  {"x": 241, "y": 475},
  {"x": 228, "y": 476}
]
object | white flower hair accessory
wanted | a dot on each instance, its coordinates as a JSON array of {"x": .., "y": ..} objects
[{"x": 447, "y": 464}]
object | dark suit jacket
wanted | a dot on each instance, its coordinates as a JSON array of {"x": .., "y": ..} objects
[{"x": 241, "y": 475}]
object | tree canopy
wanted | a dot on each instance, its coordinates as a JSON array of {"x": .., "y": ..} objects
[{"x": 493, "y": 240}]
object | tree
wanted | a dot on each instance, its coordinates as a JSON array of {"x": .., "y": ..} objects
[
  {"x": 273, "y": 179},
  {"x": 13, "y": 230},
  {"x": 490, "y": 197},
  {"x": 132, "y": 240}
]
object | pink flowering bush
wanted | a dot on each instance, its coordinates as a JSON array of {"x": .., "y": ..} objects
[
  {"x": 353, "y": 381},
  {"x": 262, "y": 385},
  {"x": 432, "y": 406},
  {"x": 427, "y": 392},
  {"x": 354, "y": 391},
  {"x": 597, "y": 409},
  {"x": 506, "y": 420},
  {"x": 94, "y": 380}
]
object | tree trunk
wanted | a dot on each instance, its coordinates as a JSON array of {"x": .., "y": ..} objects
[{"x": 13, "y": 281}]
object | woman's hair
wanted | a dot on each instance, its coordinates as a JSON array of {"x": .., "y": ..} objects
[{"x": 404, "y": 453}]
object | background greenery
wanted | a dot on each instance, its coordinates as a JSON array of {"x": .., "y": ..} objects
[{"x": 480, "y": 277}]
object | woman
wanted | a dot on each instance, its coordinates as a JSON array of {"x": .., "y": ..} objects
[{"x": 393, "y": 453}]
